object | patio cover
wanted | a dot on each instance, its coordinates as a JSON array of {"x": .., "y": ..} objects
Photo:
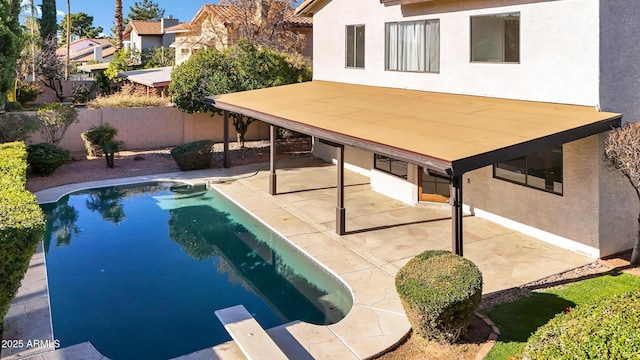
[{"x": 448, "y": 133}]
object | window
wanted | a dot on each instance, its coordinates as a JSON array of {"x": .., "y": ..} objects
[
  {"x": 541, "y": 170},
  {"x": 413, "y": 46},
  {"x": 355, "y": 46},
  {"x": 391, "y": 165},
  {"x": 496, "y": 38}
]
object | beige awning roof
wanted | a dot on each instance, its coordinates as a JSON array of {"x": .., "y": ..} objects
[{"x": 445, "y": 132}]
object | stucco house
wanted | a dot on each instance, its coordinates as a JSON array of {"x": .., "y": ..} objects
[
  {"x": 214, "y": 25},
  {"x": 147, "y": 34},
  {"x": 86, "y": 50},
  {"x": 510, "y": 99}
]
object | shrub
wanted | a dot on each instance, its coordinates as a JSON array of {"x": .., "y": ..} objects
[
  {"x": 126, "y": 101},
  {"x": 28, "y": 92},
  {"x": 603, "y": 329},
  {"x": 17, "y": 126},
  {"x": 194, "y": 155},
  {"x": 81, "y": 93},
  {"x": 45, "y": 158},
  {"x": 12, "y": 106},
  {"x": 56, "y": 119},
  {"x": 96, "y": 136},
  {"x": 440, "y": 292},
  {"x": 21, "y": 222}
]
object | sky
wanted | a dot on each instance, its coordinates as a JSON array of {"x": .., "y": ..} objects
[{"x": 103, "y": 11}]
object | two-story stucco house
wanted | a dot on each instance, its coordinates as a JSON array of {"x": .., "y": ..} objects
[
  {"x": 216, "y": 25},
  {"x": 147, "y": 34},
  {"x": 510, "y": 99}
]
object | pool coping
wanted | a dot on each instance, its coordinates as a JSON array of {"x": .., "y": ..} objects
[{"x": 384, "y": 325}]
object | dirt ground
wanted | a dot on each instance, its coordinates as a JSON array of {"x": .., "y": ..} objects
[{"x": 158, "y": 161}]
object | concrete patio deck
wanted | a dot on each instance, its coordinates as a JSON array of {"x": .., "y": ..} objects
[{"x": 382, "y": 235}]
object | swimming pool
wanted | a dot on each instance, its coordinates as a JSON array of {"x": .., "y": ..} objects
[{"x": 139, "y": 271}]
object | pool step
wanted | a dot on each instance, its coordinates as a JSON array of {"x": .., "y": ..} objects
[{"x": 250, "y": 337}]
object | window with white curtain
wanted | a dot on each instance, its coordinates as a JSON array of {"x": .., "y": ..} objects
[
  {"x": 355, "y": 46},
  {"x": 413, "y": 46}
]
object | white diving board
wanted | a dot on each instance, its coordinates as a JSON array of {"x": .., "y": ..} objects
[{"x": 250, "y": 337}]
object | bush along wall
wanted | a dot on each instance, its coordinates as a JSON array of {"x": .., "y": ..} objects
[
  {"x": 22, "y": 223},
  {"x": 45, "y": 158},
  {"x": 440, "y": 293},
  {"x": 194, "y": 155}
]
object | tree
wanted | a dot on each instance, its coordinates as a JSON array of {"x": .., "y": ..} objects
[
  {"x": 123, "y": 60},
  {"x": 56, "y": 119},
  {"x": 158, "y": 57},
  {"x": 262, "y": 23},
  {"x": 147, "y": 10},
  {"x": 622, "y": 153},
  {"x": 48, "y": 21},
  {"x": 81, "y": 26},
  {"x": 237, "y": 68},
  {"x": 118, "y": 24},
  {"x": 50, "y": 67},
  {"x": 10, "y": 45}
]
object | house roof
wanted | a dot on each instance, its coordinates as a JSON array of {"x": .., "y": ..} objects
[
  {"x": 86, "y": 54},
  {"x": 93, "y": 67},
  {"x": 144, "y": 27},
  {"x": 180, "y": 28},
  {"x": 228, "y": 12},
  {"x": 306, "y": 8},
  {"x": 61, "y": 51},
  {"x": 106, "y": 53},
  {"x": 156, "y": 77},
  {"x": 449, "y": 133}
]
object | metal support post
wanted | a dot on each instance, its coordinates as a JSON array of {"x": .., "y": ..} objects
[
  {"x": 225, "y": 135},
  {"x": 272, "y": 159},
  {"x": 340, "y": 211},
  {"x": 456, "y": 215}
]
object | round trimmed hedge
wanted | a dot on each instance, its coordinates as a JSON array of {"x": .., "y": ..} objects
[
  {"x": 440, "y": 293},
  {"x": 603, "y": 329}
]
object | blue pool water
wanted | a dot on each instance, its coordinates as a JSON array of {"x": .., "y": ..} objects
[{"x": 139, "y": 271}]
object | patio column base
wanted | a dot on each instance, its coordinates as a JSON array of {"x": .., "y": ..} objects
[{"x": 340, "y": 221}]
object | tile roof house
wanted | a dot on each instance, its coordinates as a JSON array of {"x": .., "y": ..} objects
[
  {"x": 85, "y": 50},
  {"x": 145, "y": 34},
  {"x": 511, "y": 99},
  {"x": 213, "y": 26}
]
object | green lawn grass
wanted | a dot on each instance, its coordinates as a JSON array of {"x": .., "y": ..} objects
[{"x": 519, "y": 319}]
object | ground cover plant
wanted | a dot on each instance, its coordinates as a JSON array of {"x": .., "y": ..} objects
[{"x": 519, "y": 319}]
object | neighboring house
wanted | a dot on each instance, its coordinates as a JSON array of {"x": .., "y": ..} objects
[
  {"x": 145, "y": 34},
  {"x": 85, "y": 50},
  {"x": 213, "y": 26},
  {"x": 513, "y": 100}
]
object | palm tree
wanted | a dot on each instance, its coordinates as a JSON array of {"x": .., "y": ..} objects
[
  {"x": 33, "y": 39},
  {"x": 118, "y": 20},
  {"x": 66, "y": 64}
]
